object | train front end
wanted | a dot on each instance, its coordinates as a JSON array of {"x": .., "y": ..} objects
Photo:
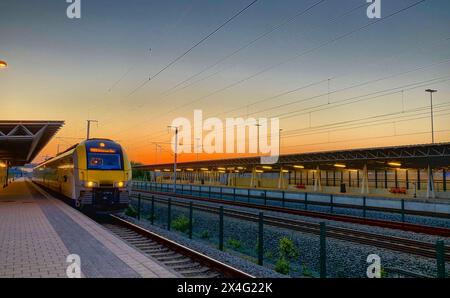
[{"x": 104, "y": 175}]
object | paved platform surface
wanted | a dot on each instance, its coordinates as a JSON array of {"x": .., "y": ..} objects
[{"x": 38, "y": 232}]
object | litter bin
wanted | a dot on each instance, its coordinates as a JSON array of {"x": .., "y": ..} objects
[{"x": 343, "y": 188}]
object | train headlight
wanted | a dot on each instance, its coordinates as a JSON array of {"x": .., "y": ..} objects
[
  {"x": 91, "y": 184},
  {"x": 120, "y": 184}
]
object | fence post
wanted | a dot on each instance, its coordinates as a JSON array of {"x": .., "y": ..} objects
[
  {"x": 139, "y": 207},
  {"x": 332, "y": 203},
  {"x": 169, "y": 213},
  {"x": 221, "y": 228},
  {"x": 191, "y": 189},
  {"x": 234, "y": 194},
  {"x": 403, "y": 210},
  {"x": 209, "y": 192},
  {"x": 221, "y": 192},
  {"x": 152, "y": 215},
  {"x": 364, "y": 207},
  {"x": 283, "y": 195},
  {"x": 440, "y": 259},
  {"x": 265, "y": 198},
  {"x": 323, "y": 251},
  {"x": 306, "y": 201},
  {"x": 261, "y": 239},
  {"x": 248, "y": 196},
  {"x": 191, "y": 208}
]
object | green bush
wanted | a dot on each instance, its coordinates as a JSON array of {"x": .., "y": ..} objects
[
  {"x": 131, "y": 211},
  {"x": 282, "y": 266},
  {"x": 150, "y": 217},
  {"x": 287, "y": 249},
  {"x": 305, "y": 271},
  {"x": 269, "y": 255},
  {"x": 181, "y": 224},
  {"x": 383, "y": 273},
  {"x": 234, "y": 243},
  {"x": 205, "y": 234}
]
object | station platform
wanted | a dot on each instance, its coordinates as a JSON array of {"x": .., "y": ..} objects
[{"x": 39, "y": 232}]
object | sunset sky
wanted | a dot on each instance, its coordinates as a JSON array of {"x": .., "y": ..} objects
[{"x": 332, "y": 82}]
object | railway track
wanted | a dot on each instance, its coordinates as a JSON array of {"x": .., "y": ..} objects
[
  {"x": 409, "y": 227},
  {"x": 183, "y": 260},
  {"x": 404, "y": 245}
]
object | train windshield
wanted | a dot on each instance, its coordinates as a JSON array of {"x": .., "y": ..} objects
[{"x": 102, "y": 155}]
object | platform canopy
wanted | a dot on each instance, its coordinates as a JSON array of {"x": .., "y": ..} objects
[
  {"x": 21, "y": 141},
  {"x": 409, "y": 156}
]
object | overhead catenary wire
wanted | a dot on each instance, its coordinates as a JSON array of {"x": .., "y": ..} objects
[
  {"x": 401, "y": 116},
  {"x": 253, "y": 41},
  {"x": 322, "y": 45},
  {"x": 178, "y": 58},
  {"x": 333, "y": 104}
]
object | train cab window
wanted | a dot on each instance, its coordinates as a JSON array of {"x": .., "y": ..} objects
[
  {"x": 98, "y": 161},
  {"x": 104, "y": 155}
]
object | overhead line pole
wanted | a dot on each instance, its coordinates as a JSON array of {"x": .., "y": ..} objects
[
  {"x": 431, "y": 91},
  {"x": 89, "y": 128},
  {"x": 175, "y": 158}
]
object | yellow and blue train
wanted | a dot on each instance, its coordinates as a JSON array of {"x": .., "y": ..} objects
[{"x": 94, "y": 174}]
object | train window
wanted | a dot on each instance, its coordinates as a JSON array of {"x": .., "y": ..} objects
[{"x": 98, "y": 161}]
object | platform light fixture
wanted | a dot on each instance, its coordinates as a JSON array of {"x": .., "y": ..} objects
[
  {"x": 267, "y": 167},
  {"x": 299, "y": 167},
  {"x": 221, "y": 169},
  {"x": 3, "y": 64},
  {"x": 394, "y": 164},
  {"x": 204, "y": 169},
  {"x": 340, "y": 165},
  {"x": 190, "y": 169},
  {"x": 259, "y": 171}
]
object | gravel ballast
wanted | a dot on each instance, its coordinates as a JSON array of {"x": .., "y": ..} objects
[{"x": 344, "y": 259}]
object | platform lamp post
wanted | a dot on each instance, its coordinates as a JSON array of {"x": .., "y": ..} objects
[
  {"x": 175, "y": 158},
  {"x": 257, "y": 136},
  {"x": 3, "y": 64},
  {"x": 431, "y": 91}
]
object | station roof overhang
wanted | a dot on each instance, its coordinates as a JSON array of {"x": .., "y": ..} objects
[
  {"x": 410, "y": 156},
  {"x": 21, "y": 141}
]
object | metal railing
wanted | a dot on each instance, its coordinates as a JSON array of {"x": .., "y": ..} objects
[
  {"x": 165, "y": 211},
  {"x": 295, "y": 200}
]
